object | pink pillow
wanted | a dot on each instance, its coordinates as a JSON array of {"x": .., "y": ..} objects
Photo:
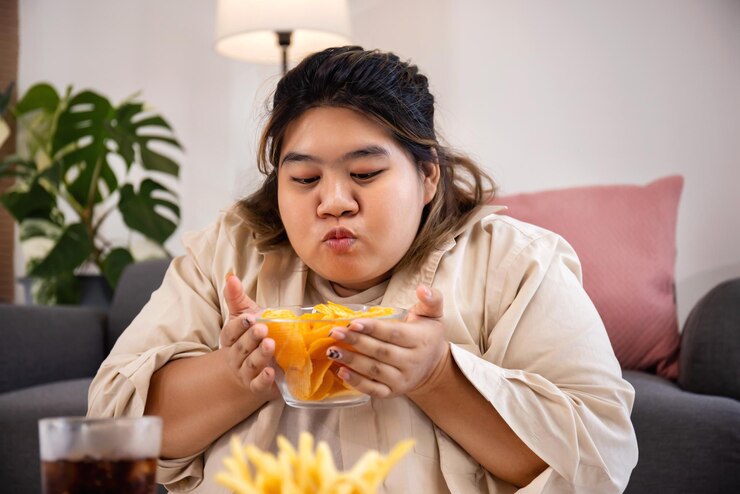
[{"x": 625, "y": 237}]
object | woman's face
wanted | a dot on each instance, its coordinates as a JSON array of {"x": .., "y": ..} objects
[{"x": 349, "y": 196}]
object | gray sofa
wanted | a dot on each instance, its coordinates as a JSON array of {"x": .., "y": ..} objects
[{"x": 688, "y": 433}]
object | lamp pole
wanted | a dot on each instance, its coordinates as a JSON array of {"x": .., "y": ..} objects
[{"x": 284, "y": 42}]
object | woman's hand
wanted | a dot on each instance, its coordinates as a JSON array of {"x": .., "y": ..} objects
[
  {"x": 394, "y": 358},
  {"x": 248, "y": 351}
]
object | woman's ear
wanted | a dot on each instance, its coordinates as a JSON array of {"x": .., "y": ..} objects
[
  {"x": 431, "y": 175},
  {"x": 431, "y": 172}
]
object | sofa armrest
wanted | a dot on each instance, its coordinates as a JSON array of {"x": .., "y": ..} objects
[
  {"x": 709, "y": 362},
  {"x": 45, "y": 344},
  {"x": 688, "y": 442}
]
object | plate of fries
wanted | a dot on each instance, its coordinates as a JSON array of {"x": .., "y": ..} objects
[
  {"x": 306, "y": 377},
  {"x": 304, "y": 470}
]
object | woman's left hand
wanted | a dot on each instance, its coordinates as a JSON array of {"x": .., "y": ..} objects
[{"x": 394, "y": 358}]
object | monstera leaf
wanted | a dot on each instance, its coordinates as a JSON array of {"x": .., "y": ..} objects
[
  {"x": 140, "y": 210},
  {"x": 130, "y": 135},
  {"x": 113, "y": 264},
  {"x": 80, "y": 144},
  {"x": 72, "y": 248}
]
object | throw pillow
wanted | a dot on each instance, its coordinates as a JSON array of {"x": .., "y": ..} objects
[{"x": 625, "y": 238}]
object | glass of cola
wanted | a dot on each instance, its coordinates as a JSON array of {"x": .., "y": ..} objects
[{"x": 84, "y": 455}]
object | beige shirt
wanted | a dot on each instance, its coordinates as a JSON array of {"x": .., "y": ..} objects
[{"x": 520, "y": 326}]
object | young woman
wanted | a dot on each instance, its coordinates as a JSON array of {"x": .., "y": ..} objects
[{"x": 502, "y": 371}]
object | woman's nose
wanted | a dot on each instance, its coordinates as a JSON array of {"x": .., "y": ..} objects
[{"x": 337, "y": 199}]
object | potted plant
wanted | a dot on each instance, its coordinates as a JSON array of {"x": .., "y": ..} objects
[{"x": 80, "y": 161}]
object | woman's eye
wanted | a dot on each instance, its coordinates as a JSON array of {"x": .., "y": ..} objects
[
  {"x": 366, "y": 176},
  {"x": 304, "y": 181}
]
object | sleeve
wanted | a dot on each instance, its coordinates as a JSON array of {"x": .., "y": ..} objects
[
  {"x": 162, "y": 332},
  {"x": 549, "y": 370}
]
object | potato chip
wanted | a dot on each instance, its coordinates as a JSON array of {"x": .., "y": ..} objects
[{"x": 301, "y": 343}]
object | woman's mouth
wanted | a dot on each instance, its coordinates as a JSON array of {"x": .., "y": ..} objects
[{"x": 339, "y": 240}]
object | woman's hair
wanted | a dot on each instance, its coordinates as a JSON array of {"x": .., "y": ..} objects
[{"x": 395, "y": 95}]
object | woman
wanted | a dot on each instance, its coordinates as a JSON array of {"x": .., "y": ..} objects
[{"x": 502, "y": 372}]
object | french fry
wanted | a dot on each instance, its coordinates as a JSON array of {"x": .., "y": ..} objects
[{"x": 304, "y": 469}]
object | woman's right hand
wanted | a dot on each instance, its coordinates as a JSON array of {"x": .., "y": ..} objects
[{"x": 248, "y": 351}]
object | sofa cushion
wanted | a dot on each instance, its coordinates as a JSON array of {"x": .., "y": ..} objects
[
  {"x": 135, "y": 287},
  {"x": 710, "y": 343},
  {"x": 625, "y": 238},
  {"x": 44, "y": 344},
  {"x": 689, "y": 443},
  {"x": 19, "y": 442}
]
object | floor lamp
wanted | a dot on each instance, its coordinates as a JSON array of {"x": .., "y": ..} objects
[{"x": 265, "y": 31}]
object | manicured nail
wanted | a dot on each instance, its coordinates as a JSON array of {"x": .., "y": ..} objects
[
  {"x": 230, "y": 273},
  {"x": 337, "y": 335},
  {"x": 246, "y": 322},
  {"x": 334, "y": 354},
  {"x": 344, "y": 374}
]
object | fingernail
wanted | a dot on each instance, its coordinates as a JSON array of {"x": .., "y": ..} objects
[
  {"x": 356, "y": 326},
  {"x": 344, "y": 374},
  {"x": 334, "y": 354},
  {"x": 427, "y": 292},
  {"x": 337, "y": 335},
  {"x": 230, "y": 273},
  {"x": 246, "y": 322}
]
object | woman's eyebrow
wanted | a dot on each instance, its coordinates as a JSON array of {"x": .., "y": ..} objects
[
  {"x": 372, "y": 151},
  {"x": 293, "y": 156}
]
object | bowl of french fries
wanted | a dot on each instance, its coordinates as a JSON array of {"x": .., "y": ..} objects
[
  {"x": 305, "y": 469},
  {"x": 305, "y": 375}
]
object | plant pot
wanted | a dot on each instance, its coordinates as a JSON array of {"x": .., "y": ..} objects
[{"x": 94, "y": 290}]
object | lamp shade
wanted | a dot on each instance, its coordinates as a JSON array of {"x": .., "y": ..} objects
[{"x": 245, "y": 29}]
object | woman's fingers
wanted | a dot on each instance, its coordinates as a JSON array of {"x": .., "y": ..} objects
[
  {"x": 256, "y": 363},
  {"x": 390, "y": 358},
  {"x": 236, "y": 300},
  {"x": 264, "y": 381},
  {"x": 365, "y": 373},
  {"x": 235, "y": 328},
  {"x": 430, "y": 304}
]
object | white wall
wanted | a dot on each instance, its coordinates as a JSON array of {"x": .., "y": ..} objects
[{"x": 544, "y": 94}]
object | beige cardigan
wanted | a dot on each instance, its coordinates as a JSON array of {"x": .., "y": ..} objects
[{"x": 520, "y": 326}]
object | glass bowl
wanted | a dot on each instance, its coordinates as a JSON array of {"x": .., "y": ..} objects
[{"x": 306, "y": 377}]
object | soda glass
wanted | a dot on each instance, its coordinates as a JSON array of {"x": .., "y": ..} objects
[{"x": 82, "y": 455}]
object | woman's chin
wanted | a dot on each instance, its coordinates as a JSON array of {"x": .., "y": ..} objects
[{"x": 344, "y": 283}]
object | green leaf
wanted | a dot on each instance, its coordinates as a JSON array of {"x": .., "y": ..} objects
[
  {"x": 16, "y": 166},
  {"x": 63, "y": 289},
  {"x": 114, "y": 263},
  {"x": 72, "y": 249},
  {"x": 139, "y": 213},
  {"x": 154, "y": 121},
  {"x": 155, "y": 161},
  {"x": 40, "y": 96},
  {"x": 130, "y": 122},
  {"x": 84, "y": 117},
  {"x": 33, "y": 202},
  {"x": 5, "y": 98},
  {"x": 38, "y": 227},
  {"x": 82, "y": 128},
  {"x": 109, "y": 177}
]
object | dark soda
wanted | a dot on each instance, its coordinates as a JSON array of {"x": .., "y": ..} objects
[{"x": 89, "y": 475}]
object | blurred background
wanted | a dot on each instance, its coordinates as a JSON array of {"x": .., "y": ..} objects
[{"x": 543, "y": 94}]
